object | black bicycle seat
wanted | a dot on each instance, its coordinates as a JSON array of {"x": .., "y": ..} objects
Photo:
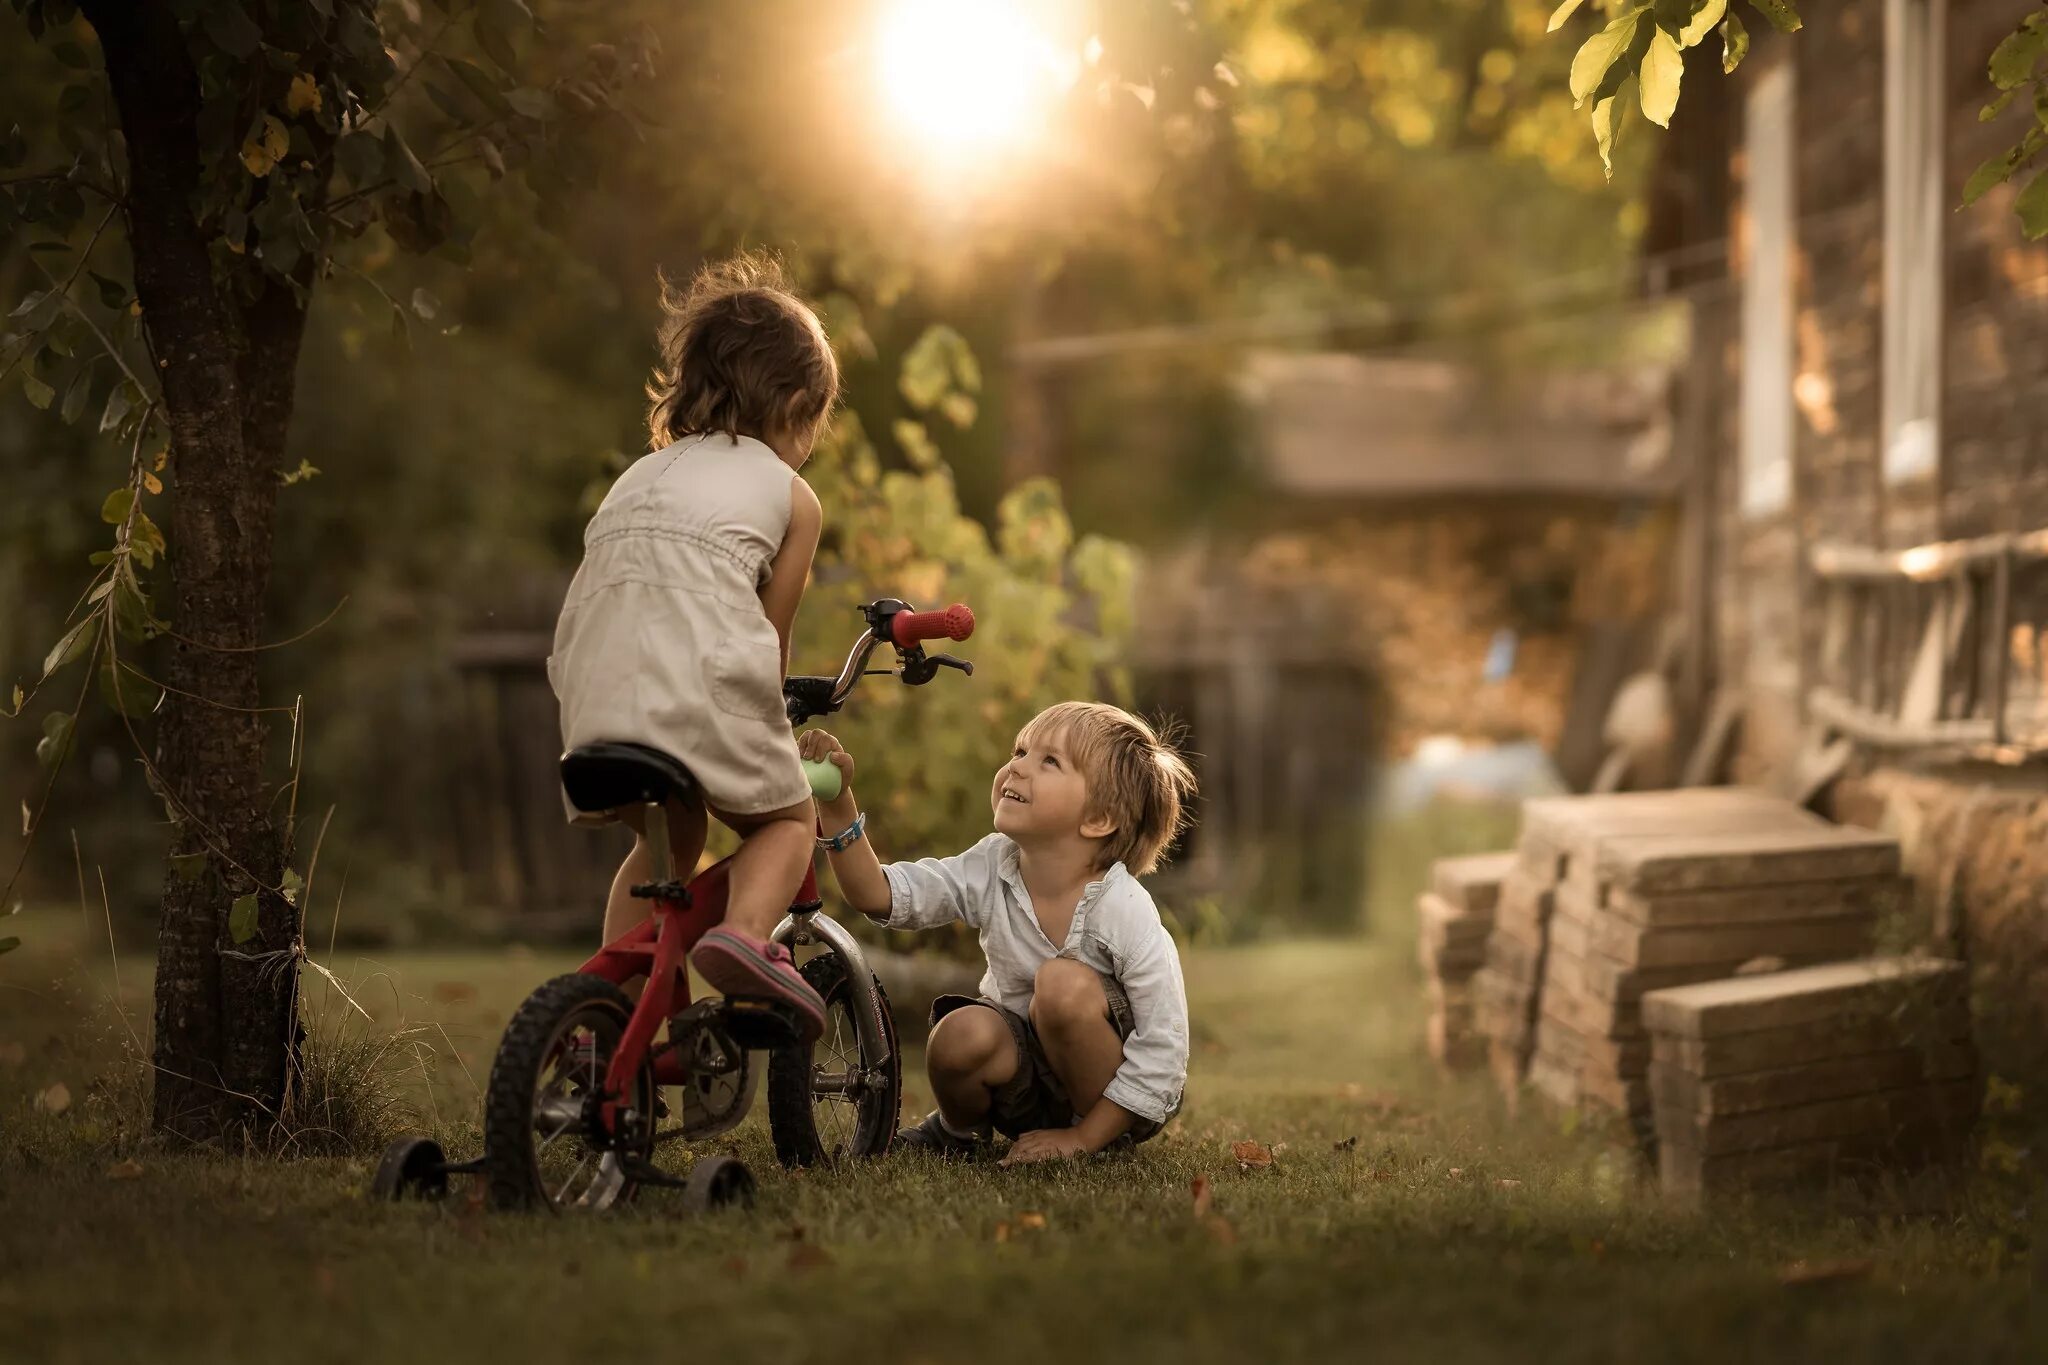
[{"x": 605, "y": 776}]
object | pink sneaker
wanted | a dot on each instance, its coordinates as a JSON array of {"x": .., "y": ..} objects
[{"x": 739, "y": 964}]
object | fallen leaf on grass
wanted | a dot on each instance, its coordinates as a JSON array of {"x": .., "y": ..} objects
[
  {"x": 1204, "y": 1196},
  {"x": 808, "y": 1256},
  {"x": 1220, "y": 1229},
  {"x": 1003, "y": 1231},
  {"x": 1034, "y": 1222},
  {"x": 54, "y": 1100},
  {"x": 131, "y": 1169},
  {"x": 1349, "y": 1144},
  {"x": 454, "y": 992},
  {"x": 1507, "y": 1183},
  {"x": 1799, "y": 1274},
  {"x": 1252, "y": 1156},
  {"x": 1457, "y": 1172},
  {"x": 12, "y": 1054}
]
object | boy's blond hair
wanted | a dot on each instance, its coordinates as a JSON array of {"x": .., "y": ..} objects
[{"x": 1136, "y": 777}]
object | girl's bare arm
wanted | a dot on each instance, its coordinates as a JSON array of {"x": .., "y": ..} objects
[{"x": 790, "y": 571}]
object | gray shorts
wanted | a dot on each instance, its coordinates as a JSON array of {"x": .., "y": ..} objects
[{"x": 1034, "y": 1098}]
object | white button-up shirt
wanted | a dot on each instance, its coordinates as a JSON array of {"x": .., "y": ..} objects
[{"x": 1116, "y": 931}]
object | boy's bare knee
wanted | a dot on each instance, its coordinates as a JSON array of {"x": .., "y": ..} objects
[
  {"x": 967, "y": 1040},
  {"x": 1067, "y": 993}
]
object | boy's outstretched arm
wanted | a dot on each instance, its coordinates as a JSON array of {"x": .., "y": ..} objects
[{"x": 856, "y": 867}]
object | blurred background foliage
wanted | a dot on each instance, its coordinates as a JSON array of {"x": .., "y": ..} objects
[{"x": 1391, "y": 171}]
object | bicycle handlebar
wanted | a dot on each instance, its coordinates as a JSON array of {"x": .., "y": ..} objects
[{"x": 907, "y": 628}]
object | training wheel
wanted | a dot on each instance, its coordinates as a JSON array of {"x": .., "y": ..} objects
[
  {"x": 719, "y": 1182},
  {"x": 412, "y": 1168}
]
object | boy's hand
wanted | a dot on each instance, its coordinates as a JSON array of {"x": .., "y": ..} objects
[
  {"x": 818, "y": 745},
  {"x": 1046, "y": 1144}
]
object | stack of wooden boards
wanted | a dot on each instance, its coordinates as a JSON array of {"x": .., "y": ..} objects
[
  {"x": 1613, "y": 896},
  {"x": 1456, "y": 917},
  {"x": 1797, "y": 1075}
]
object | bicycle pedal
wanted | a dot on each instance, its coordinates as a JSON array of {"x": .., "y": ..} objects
[{"x": 760, "y": 1024}]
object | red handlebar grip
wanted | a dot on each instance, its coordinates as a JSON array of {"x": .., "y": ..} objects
[{"x": 908, "y": 627}]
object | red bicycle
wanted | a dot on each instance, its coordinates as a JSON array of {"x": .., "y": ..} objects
[{"x": 572, "y": 1112}]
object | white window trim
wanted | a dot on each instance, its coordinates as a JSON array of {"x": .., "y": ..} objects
[
  {"x": 1915, "y": 118},
  {"x": 1766, "y": 411}
]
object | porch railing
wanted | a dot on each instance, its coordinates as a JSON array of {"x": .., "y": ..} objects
[{"x": 1941, "y": 647}]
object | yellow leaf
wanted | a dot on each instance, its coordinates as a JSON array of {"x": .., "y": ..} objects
[
  {"x": 1662, "y": 66},
  {"x": 258, "y": 164},
  {"x": 1034, "y": 1221},
  {"x": 130, "y": 1169},
  {"x": 276, "y": 140},
  {"x": 303, "y": 95},
  {"x": 152, "y": 483}
]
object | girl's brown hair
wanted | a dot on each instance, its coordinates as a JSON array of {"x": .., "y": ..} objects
[{"x": 741, "y": 354}]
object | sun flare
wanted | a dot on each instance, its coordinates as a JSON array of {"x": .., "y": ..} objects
[{"x": 965, "y": 75}]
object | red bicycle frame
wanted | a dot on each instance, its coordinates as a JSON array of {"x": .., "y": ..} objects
[{"x": 659, "y": 948}]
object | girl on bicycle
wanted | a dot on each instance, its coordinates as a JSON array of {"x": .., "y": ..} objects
[{"x": 675, "y": 632}]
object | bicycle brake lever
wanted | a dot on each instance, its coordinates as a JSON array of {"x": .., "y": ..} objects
[{"x": 948, "y": 661}]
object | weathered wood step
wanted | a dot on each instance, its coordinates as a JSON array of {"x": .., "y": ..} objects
[
  {"x": 1866, "y": 987},
  {"x": 1713, "y": 1098}
]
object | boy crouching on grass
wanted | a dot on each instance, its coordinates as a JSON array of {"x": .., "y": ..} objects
[{"x": 1079, "y": 1040}]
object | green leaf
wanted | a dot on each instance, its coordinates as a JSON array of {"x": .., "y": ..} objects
[
  {"x": 19, "y": 698},
  {"x": 128, "y": 691},
  {"x": 112, "y": 292},
  {"x": 481, "y": 84},
  {"x": 231, "y": 30},
  {"x": 78, "y": 395},
  {"x": 1997, "y": 106},
  {"x": 1734, "y": 44},
  {"x": 75, "y": 644},
  {"x": 361, "y": 158},
  {"x": 2012, "y": 61},
  {"x": 114, "y": 510},
  {"x": 39, "y": 394},
  {"x": 55, "y": 745},
  {"x": 2032, "y": 207},
  {"x": 188, "y": 867},
  {"x": 242, "y": 918},
  {"x": 405, "y": 168},
  {"x": 1662, "y": 67},
  {"x": 291, "y": 886},
  {"x": 1604, "y": 115},
  {"x": 1562, "y": 13},
  {"x": 1602, "y": 51},
  {"x": 1702, "y": 23},
  {"x": 917, "y": 445},
  {"x": 1783, "y": 17},
  {"x": 118, "y": 407}
]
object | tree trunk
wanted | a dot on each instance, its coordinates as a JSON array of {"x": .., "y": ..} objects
[{"x": 226, "y": 1026}]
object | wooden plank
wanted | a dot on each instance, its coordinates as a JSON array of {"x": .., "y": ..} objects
[
  {"x": 1872, "y": 896},
  {"x": 1833, "y": 1078},
  {"x": 1843, "y": 1037},
  {"x": 1909, "y": 1112},
  {"x": 1647, "y": 864},
  {"x": 1870, "y": 986},
  {"x": 1443, "y": 922},
  {"x": 1840, "y": 936},
  {"x": 1472, "y": 883}
]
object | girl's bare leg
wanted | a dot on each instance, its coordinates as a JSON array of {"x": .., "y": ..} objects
[{"x": 776, "y": 849}]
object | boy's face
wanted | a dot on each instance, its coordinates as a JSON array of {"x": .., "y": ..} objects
[{"x": 1040, "y": 793}]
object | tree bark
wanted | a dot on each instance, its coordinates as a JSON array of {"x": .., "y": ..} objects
[{"x": 226, "y": 1027}]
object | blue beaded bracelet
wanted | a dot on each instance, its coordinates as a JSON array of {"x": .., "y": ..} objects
[{"x": 845, "y": 838}]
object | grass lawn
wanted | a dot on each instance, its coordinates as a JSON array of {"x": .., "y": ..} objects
[{"x": 1446, "y": 1231}]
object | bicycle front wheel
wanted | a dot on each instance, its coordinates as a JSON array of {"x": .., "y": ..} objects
[{"x": 834, "y": 1100}]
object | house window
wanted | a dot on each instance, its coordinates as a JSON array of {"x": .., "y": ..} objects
[
  {"x": 1914, "y": 113},
  {"x": 1767, "y": 364}
]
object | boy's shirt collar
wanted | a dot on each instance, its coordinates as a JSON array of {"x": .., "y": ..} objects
[{"x": 1010, "y": 864}]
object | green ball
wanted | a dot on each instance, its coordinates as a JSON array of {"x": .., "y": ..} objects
[{"x": 826, "y": 783}]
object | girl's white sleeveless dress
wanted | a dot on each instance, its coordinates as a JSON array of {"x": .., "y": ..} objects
[{"x": 663, "y": 640}]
